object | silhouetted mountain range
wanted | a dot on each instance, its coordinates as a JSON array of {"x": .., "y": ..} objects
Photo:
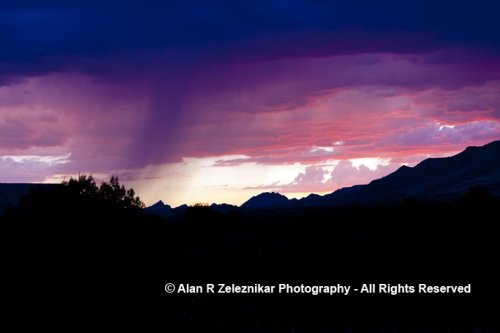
[
  {"x": 165, "y": 210},
  {"x": 434, "y": 179}
]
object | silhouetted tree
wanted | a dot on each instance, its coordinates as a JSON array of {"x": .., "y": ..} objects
[
  {"x": 84, "y": 186},
  {"x": 79, "y": 199},
  {"x": 200, "y": 205},
  {"x": 117, "y": 195}
]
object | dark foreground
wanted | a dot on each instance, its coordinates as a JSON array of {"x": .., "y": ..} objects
[{"x": 78, "y": 262}]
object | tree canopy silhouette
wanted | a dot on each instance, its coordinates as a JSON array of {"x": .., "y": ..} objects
[
  {"x": 79, "y": 199},
  {"x": 112, "y": 193}
]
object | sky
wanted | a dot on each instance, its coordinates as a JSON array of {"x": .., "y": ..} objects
[{"x": 217, "y": 101}]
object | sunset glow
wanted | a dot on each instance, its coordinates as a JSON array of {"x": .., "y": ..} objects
[{"x": 188, "y": 112}]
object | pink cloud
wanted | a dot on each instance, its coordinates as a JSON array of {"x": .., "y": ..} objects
[
  {"x": 319, "y": 179},
  {"x": 273, "y": 112},
  {"x": 69, "y": 113},
  {"x": 345, "y": 174}
]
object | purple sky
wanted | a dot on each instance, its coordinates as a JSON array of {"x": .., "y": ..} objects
[{"x": 199, "y": 102}]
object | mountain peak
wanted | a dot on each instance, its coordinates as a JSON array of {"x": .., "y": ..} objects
[
  {"x": 266, "y": 200},
  {"x": 159, "y": 204}
]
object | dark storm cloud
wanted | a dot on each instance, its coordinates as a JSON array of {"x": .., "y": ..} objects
[
  {"x": 39, "y": 37},
  {"x": 129, "y": 84}
]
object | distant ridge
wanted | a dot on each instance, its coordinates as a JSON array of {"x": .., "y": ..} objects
[
  {"x": 223, "y": 208},
  {"x": 11, "y": 193},
  {"x": 434, "y": 179},
  {"x": 266, "y": 200},
  {"x": 165, "y": 210}
]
